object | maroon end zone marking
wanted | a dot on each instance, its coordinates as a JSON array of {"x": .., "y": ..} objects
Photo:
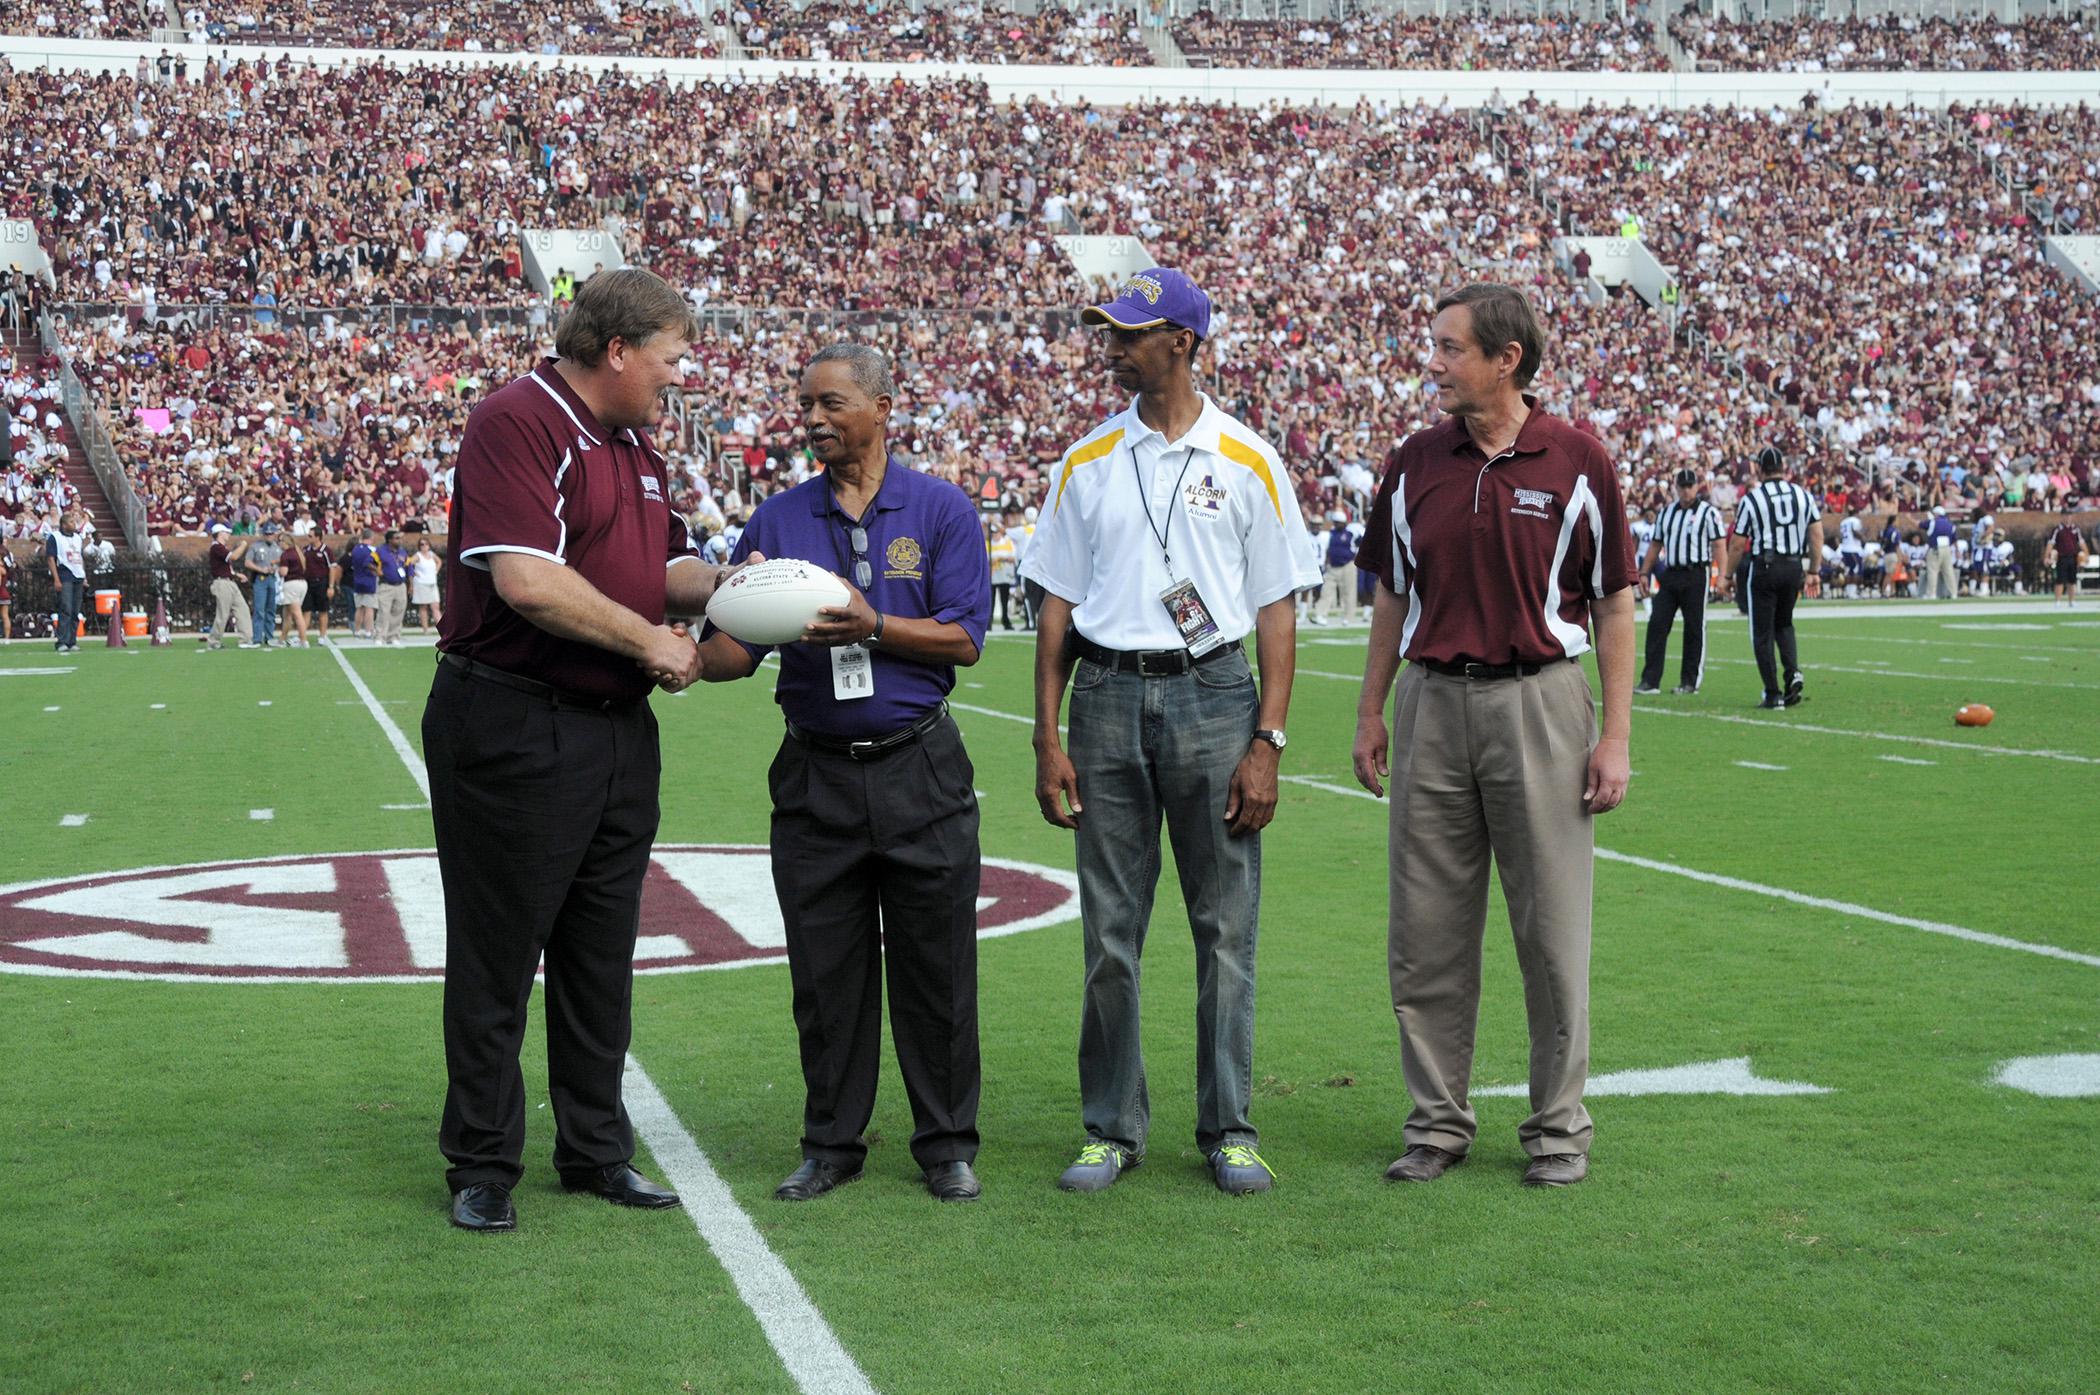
[{"x": 374, "y": 944}]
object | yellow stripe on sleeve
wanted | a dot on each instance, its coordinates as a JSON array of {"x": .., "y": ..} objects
[
  {"x": 1257, "y": 462},
  {"x": 1094, "y": 450}
]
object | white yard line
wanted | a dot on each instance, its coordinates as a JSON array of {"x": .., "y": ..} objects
[
  {"x": 2072, "y": 757},
  {"x": 2025, "y": 649},
  {"x": 1906, "y": 760},
  {"x": 72, "y": 820},
  {"x": 392, "y": 733},
  {"x": 1931, "y": 927},
  {"x": 30, "y": 672},
  {"x": 262, "y": 815},
  {"x": 1648, "y": 709},
  {"x": 1758, "y": 765},
  {"x": 1972, "y": 679},
  {"x": 797, "y": 1331},
  {"x": 807, "y": 1346}
]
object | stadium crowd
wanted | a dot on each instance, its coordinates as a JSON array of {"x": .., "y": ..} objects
[
  {"x": 1544, "y": 43},
  {"x": 1860, "y": 264},
  {"x": 76, "y": 19},
  {"x": 1890, "y": 43},
  {"x": 829, "y": 31},
  {"x": 34, "y": 490},
  {"x": 1324, "y": 233},
  {"x": 659, "y": 28}
]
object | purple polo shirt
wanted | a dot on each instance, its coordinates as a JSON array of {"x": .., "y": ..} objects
[
  {"x": 927, "y": 552},
  {"x": 393, "y": 563}
]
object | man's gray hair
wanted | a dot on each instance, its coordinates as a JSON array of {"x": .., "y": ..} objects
[{"x": 870, "y": 367}]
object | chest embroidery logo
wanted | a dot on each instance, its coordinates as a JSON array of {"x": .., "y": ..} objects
[
  {"x": 903, "y": 556},
  {"x": 1533, "y": 503},
  {"x": 1205, "y": 499},
  {"x": 650, "y": 488}
]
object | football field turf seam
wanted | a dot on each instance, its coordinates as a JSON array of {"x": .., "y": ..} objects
[
  {"x": 797, "y": 1331},
  {"x": 1811, "y": 728},
  {"x": 1799, "y": 898}
]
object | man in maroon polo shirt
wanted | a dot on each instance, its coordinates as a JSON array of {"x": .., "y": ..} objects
[
  {"x": 541, "y": 746},
  {"x": 1497, "y": 536}
]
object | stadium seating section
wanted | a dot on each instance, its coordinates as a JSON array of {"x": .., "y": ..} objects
[{"x": 1858, "y": 283}]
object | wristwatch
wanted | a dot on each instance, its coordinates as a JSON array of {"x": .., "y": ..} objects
[
  {"x": 875, "y": 637},
  {"x": 1274, "y": 738}
]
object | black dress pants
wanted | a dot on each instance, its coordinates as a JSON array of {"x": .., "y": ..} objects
[
  {"x": 1775, "y": 584},
  {"x": 876, "y": 865},
  {"x": 1678, "y": 589},
  {"x": 545, "y": 816}
]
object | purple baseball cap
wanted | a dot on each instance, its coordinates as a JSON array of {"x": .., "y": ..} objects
[{"x": 1155, "y": 297}]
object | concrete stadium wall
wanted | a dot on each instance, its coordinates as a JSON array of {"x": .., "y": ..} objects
[{"x": 1238, "y": 86}]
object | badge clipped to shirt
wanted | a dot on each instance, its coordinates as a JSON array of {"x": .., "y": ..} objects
[
  {"x": 1199, "y": 631},
  {"x": 852, "y": 673}
]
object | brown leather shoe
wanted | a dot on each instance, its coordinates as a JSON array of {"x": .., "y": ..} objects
[
  {"x": 1425, "y": 1162},
  {"x": 1557, "y": 1170}
]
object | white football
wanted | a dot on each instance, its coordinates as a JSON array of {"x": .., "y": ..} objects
[{"x": 773, "y": 601}]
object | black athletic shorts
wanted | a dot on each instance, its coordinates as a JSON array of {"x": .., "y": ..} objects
[{"x": 2067, "y": 571}]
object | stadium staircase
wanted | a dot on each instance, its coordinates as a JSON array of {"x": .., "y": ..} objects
[
  {"x": 26, "y": 347},
  {"x": 1160, "y": 40}
]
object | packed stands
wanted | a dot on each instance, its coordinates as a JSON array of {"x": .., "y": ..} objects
[
  {"x": 658, "y": 28},
  {"x": 1890, "y": 43},
  {"x": 77, "y": 19},
  {"x": 1542, "y": 42},
  {"x": 33, "y": 484},
  {"x": 1862, "y": 265},
  {"x": 1810, "y": 246},
  {"x": 830, "y": 31}
]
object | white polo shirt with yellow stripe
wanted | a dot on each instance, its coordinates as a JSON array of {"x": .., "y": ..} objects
[{"x": 1219, "y": 497}]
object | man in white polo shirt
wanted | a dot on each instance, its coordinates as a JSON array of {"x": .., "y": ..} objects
[{"x": 1169, "y": 533}]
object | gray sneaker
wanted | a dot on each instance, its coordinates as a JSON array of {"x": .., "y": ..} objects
[
  {"x": 1646, "y": 689},
  {"x": 1240, "y": 1170},
  {"x": 1098, "y": 1166}
]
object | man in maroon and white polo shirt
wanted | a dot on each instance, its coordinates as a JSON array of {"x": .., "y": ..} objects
[
  {"x": 541, "y": 746},
  {"x": 1498, "y": 536}
]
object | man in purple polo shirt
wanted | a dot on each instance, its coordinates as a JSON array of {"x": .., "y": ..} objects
[
  {"x": 541, "y": 746},
  {"x": 875, "y": 856},
  {"x": 1498, "y": 536}
]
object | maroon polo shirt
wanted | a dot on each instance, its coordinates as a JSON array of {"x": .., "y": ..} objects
[
  {"x": 2066, "y": 541},
  {"x": 538, "y": 475},
  {"x": 221, "y": 563},
  {"x": 1503, "y": 556},
  {"x": 293, "y": 563}
]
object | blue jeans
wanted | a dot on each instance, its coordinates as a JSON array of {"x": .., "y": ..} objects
[
  {"x": 265, "y": 602},
  {"x": 1146, "y": 749},
  {"x": 71, "y": 591}
]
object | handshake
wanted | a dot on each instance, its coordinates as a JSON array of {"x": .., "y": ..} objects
[{"x": 672, "y": 657}]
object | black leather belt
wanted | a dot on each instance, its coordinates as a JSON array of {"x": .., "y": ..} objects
[
  {"x": 1479, "y": 672},
  {"x": 875, "y": 747},
  {"x": 1148, "y": 663},
  {"x": 532, "y": 687}
]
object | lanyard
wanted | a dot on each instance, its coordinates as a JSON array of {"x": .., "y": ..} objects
[{"x": 1145, "y": 500}]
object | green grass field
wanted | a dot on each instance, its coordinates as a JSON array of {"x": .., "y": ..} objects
[{"x": 229, "y": 1185}]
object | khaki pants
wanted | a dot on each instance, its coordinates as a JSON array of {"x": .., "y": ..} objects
[
  {"x": 1338, "y": 597},
  {"x": 1480, "y": 767},
  {"x": 228, "y": 603},
  {"x": 392, "y": 605},
  {"x": 1939, "y": 574}
]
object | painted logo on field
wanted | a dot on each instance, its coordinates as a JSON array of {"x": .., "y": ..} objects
[{"x": 380, "y": 917}]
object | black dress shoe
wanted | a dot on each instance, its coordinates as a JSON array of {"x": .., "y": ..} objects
[
  {"x": 622, "y": 1186},
  {"x": 484, "y": 1207},
  {"x": 953, "y": 1181},
  {"x": 1772, "y": 702},
  {"x": 814, "y": 1178}
]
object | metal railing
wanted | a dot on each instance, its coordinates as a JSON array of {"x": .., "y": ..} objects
[{"x": 102, "y": 457}]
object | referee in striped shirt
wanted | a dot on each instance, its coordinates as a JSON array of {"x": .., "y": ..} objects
[
  {"x": 1688, "y": 540},
  {"x": 1775, "y": 523}
]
